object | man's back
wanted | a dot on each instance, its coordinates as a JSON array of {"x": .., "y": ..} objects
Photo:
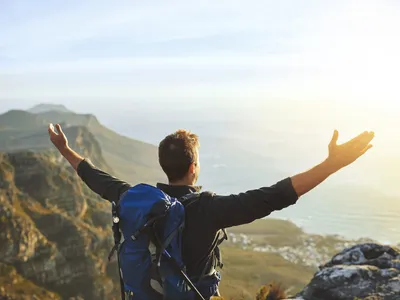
[
  {"x": 200, "y": 236},
  {"x": 205, "y": 217}
]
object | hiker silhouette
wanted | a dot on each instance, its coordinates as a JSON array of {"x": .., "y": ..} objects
[{"x": 172, "y": 231}]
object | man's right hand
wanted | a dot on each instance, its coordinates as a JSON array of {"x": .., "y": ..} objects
[
  {"x": 58, "y": 138},
  {"x": 339, "y": 156},
  {"x": 342, "y": 155}
]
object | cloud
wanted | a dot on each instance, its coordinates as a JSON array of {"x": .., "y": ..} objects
[
  {"x": 195, "y": 62},
  {"x": 177, "y": 48},
  {"x": 138, "y": 21}
]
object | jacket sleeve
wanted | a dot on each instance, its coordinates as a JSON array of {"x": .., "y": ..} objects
[
  {"x": 243, "y": 208},
  {"x": 100, "y": 182}
]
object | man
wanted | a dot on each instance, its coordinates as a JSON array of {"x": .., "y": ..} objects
[{"x": 179, "y": 159}]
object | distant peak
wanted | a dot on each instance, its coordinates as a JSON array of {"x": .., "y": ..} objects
[{"x": 45, "y": 107}]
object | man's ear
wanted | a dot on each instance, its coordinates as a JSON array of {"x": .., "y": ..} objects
[{"x": 192, "y": 168}]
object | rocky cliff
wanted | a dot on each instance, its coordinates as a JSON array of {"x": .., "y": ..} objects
[
  {"x": 367, "y": 271},
  {"x": 54, "y": 232}
]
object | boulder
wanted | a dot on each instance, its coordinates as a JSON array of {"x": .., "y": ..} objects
[{"x": 365, "y": 271}]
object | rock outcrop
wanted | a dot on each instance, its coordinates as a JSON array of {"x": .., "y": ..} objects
[
  {"x": 54, "y": 231},
  {"x": 367, "y": 271},
  {"x": 14, "y": 287}
]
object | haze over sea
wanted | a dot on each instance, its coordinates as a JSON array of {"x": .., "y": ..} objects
[
  {"x": 245, "y": 150},
  {"x": 263, "y": 83}
]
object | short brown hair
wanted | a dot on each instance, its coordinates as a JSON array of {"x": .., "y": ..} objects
[{"x": 177, "y": 152}]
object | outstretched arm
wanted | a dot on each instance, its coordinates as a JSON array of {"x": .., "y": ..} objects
[
  {"x": 339, "y": 156},
  {"x": 233, "y": 210},
  {"x": 100, "y": 182}
]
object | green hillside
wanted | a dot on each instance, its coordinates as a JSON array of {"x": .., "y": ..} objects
[
  {"x": 20, "y": 119},
  {"x": 246, "y": 271},
  {"x": 132, "y": 160}
]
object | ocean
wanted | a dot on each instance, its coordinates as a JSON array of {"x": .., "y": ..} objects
[
  {"x": 361, "y": 200},
  {"x": 353, "y": 203}
]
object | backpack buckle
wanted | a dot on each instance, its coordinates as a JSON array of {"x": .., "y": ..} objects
[
  {"x": 114, "y": 213},
  {"x": 134, "y": 236}
]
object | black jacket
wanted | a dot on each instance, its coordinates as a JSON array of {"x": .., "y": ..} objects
[{"x": 204, "y": 218}]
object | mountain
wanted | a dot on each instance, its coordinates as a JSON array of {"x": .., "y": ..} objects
[
  {"x": 132, "y": 160},
  {"x": 19, "y": 119},
  {"x": 44, "y": 107}
]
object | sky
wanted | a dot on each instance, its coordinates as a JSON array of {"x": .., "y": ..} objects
[
  {"x": 240, "y": 52},
  {"x": 304, "y": 67}
]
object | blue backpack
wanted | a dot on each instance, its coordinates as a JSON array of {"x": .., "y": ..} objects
[{"x": 150, "y": 256}]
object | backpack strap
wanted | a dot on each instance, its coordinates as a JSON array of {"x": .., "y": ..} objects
[
  {"x": 185, "y": 277},
  {"x": 117, "y": 243},
  {"x": 163, "y": 246},
  {"x": 150, "y": 223},
  {"x": 169, "y": 239},
  {"x": 162, "y": 250},
  {"x": 189, "y": 199},
  {"x": 218, "y": 257},
  {"x": 217, "y": 250}
]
